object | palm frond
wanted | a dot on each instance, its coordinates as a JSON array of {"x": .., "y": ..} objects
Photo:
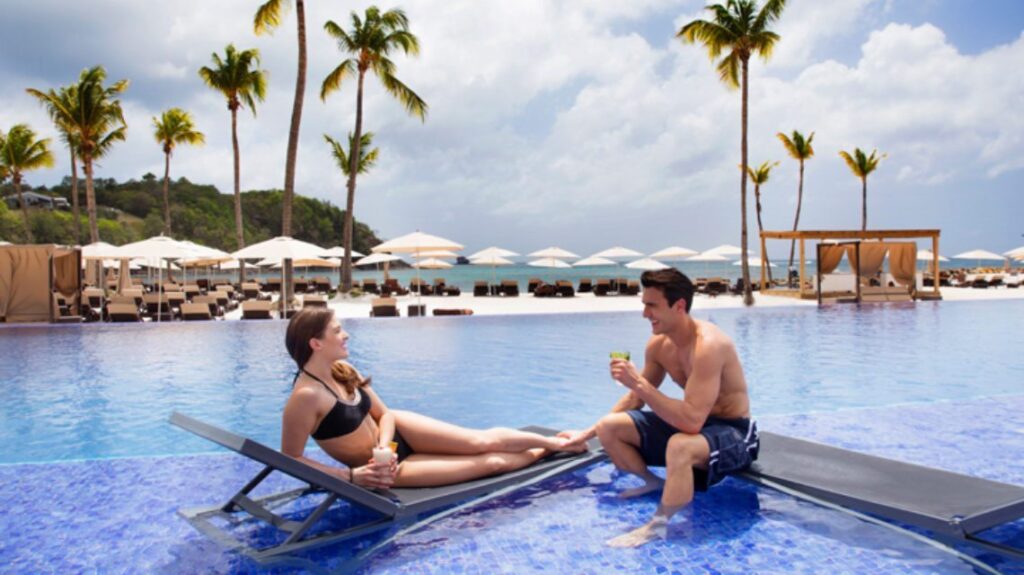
[
  {"x": 412, "y": 102},
  {"x": 333, "y": 80},
  {"x": 729, "y": 70},
  {"x": 852, "y": 163},
  {"x": 268, "y": 17}
]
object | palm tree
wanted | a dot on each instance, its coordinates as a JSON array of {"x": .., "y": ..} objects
[
  {"x": 22, "y": 152},
  {"x": 371, "y": 40},
  {"x": 175, "y": 126},
  {"x": 862, "y": 165},
  {"x": 368, "y": 158},
  {"x": 268, "y": 17},
  {"x": 93, "y": 116},
  {"x": 760, "y": 175},
  {"x": 742, "y": 30},
  {"x": 238, "y": 77},
  {"x": 800, "y": 149},
  {"x": 67, "y": 97}
]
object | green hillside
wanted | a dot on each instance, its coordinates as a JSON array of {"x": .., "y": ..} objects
[{"x": 132, "y": 210}]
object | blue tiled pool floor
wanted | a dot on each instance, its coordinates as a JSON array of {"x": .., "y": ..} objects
[{"x": 71, "y": 516}]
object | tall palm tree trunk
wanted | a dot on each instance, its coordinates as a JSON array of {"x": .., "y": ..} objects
[
  {"x": 748, "y": 296},
  {"x": 167, "y": 201},
  {"x": 796, "y": 221},
  {"x": 75, "y": 211},
  {"x": 353, "y": 167},
  {"x": 293, "y": 134},
  {"x": 864, "y": 204},
  {"x": 90, "y": 199},
  {"x": 760, "y": 228},
  {"x": 238, "y": 190},
  {"x": 24, "y": 208},
  {"x": 293, "y": 144}
]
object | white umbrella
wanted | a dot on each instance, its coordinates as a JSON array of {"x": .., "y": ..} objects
[
  {"x": 439, "y": 254},
  {"x": 707, "y": 257},
  {"x": 594, "y": 261},
  {"x": 416, "y": 242},
  {"x": 674, "y": 253},
  {"x": 618, "y": 252},
  {"x": 979, "y": 255},
  {"x": 754, "y": 261},
  {"x": 553, "y": 252},
  {"x": 493, "y": 251},
  {"x": 549, "y": 262},
  {"x": 725, "y": 250},
  {"x": 493, "y": 261},
  {"x": 377, "y": 259},
  {"x": 339, "y": 252},
  {"x": 927, "y": 256},
  {"x": 158, "y": 248},
  {"x": 99, "y": 251},
  {"x": 646, "y": 264},
  {"x": 3, "y": 243},
  {"x": 1015, "y": 253},
  {"x": 311, "y": 263},
  {"x": 279, "y": 248},
  {"x": 432, "y": 264}
]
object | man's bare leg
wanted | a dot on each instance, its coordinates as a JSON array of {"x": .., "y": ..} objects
[
  {"x": 621, "y": 441},
  {"x": 684, "y": 451}
]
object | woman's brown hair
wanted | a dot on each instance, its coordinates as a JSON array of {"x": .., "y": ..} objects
[{"x": 309, "y": 323}]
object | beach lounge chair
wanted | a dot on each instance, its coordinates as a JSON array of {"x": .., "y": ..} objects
[
  {"x": 256, "y": 309},
  {"x": 631, "y": 287},
  {"x": 450, "y": 311},
  {"x": 395, "y": 506},
  {"x": 955, "y": 508},
  {"x": 510, "y": 288},
  {"x": 391, "y": 286},
  {"x": 123, "y": 312},
  {"x": 321, "y": 284},
  {"x": 452, "y": 291},
  {"x": 416, "y": 310},
  {"x": 63, "y": 311},
  {"x": 210, "y": 302},
  {"x": 370, "y": 286},
  {"x": 312, "y": 300},
  {"x": 251, "y": 290},
  {"x": 196, "y": 312},
  {"x": 564, "y": 289},
  {"x": 157, "y": 306},
  {"x": 481, "y": 289},
  {"x": 384, "y": 307},
  {"x": 602, "y": 288},
  {"x": 586, "y": 286},
  {"x": 532, "y": 284},
  {"x": 545, "y": 290}
]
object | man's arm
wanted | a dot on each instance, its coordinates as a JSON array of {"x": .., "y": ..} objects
[
  {"x": 702, "y": 389},
  {"x": 654, "y": 372}
]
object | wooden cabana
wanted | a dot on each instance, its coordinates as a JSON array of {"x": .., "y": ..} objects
[{"x": 851, "y": 241}]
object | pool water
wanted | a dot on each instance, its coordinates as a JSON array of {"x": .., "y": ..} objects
[{"x": 89, "y": 462}]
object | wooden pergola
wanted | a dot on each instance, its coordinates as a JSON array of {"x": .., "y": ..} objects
[{"x": 848, "y": 235}]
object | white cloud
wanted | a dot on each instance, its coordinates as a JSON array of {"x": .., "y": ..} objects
[{"x": 551, "y": 118}]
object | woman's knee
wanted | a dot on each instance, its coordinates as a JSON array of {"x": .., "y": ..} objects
[
  {"x": 495, "y": 464},
  {"x": 491, "y": 440}
]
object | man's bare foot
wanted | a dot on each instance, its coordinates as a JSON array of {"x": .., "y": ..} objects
[
  {"x": 656, "y": 529},
  {"x": 649, "y": 486}
]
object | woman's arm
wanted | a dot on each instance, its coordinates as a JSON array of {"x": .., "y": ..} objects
[
  {"x": 297, "y": 424},
  {"x": 385, "y": 419}
]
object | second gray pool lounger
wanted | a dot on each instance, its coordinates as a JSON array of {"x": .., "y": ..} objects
[
  {"x": 955, "y": 507},
  {"x": 397, "y": 506}
]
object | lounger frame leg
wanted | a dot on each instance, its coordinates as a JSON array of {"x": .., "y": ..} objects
[
  {"x": 995, "y": 547},
  {"x": 232, "y": 504}
]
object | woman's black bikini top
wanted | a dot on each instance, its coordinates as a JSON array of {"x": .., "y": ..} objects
[{"x": 343, "y": 418}]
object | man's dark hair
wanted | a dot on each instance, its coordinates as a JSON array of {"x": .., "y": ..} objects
[{"x": 672, "y": 282}]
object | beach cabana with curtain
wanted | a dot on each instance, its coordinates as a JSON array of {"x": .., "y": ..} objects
[
  {"x": 865, "y": 250},
  {"x": 31, "y": 276}
]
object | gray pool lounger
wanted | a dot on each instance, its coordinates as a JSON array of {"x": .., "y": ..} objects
[
  {"x": 397, "y": 506},
  {"x": 956, "y": 508}
]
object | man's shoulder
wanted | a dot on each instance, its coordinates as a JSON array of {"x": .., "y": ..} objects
[{"x": 713, "y": 338}]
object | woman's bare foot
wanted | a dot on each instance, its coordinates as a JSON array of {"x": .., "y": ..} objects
[
  {"x": 649, "y": 485},
  {"x": 562, "y": 443}
]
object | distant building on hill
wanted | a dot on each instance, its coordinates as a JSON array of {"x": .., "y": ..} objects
[{"x": 38, "y": 200}]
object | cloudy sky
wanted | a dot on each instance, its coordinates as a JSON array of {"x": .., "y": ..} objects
[{"x": 580, "y": 123}]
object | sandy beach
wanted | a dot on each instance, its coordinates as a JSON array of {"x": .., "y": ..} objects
[{"x": 587, "y": 303}]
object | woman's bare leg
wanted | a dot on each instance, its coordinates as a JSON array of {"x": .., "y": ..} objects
[
  {"x": 426, "y": 470},
  {"x": 428, "y": 435}
]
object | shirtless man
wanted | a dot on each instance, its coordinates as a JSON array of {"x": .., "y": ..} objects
[{"x": 698, "y": 439}]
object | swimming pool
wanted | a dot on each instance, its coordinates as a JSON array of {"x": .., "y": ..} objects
[{"x": 90, "y": 464}]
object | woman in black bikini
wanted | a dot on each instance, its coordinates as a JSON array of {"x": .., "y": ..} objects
[{"x": 332, "y": 403}]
